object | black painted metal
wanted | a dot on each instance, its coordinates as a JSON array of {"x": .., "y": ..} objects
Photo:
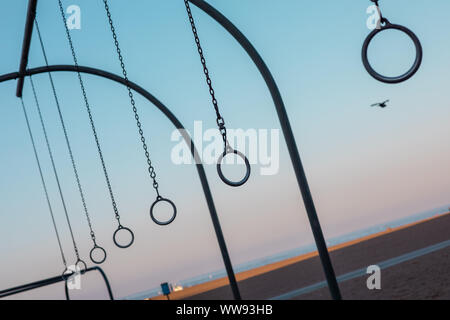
[
  {"x": 160, "y": 199},
  {"x": 290, "y": 141},
  {"x": 50, "y": 281},
  {"x": 31, "y": 14},
  {"x": 108, "y": 287},
  {"x": 248, "y": 169},
  {"x": 408, "y": 74},
  {"x": 187, "y": 138},
  {"x": 289, "y": 137},
  {"x": 103, "y": 254},
  {"x": 127, "y": 230}
]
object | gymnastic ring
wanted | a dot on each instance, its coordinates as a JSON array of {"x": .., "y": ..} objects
[
  {"x": 66, "y": 275},
  {"x": 229, "y": 150},
  {"x": 158, "y": 222},
  {"x": 117, "y": 242},
  {"x": 91, "y": 254},
  {"x": 83, "y": 264},
  {"x": 419, "y": 53}
]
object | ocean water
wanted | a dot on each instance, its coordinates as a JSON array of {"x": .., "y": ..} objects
[{"x": 295, "y": 252}]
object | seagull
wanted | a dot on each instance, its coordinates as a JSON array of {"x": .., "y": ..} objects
[{"x": 381, "y": 105}]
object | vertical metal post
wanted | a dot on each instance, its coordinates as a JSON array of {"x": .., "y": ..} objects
[
  {"x": 219, "y": 233},
  {"x": 31, "y": 14}
]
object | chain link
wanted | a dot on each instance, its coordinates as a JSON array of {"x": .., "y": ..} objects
[
  {"x": 382, "y": 19},
  {"x": 94, "y": 131},
  {"x": 80, "y": 189},
  {"x": 49, "y": 149},
  {"x": 219, "y": 120},
  {"x": 151, "y": 169},
  {"x": 44, "y": 185}
]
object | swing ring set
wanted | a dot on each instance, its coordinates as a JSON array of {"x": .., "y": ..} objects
[
  {"x": 80, "y": 264},
  {"x": 100, "y": 249},
  {"x": 80, "y": 267},
  {"x": 66, "y": 274},
  {"x": 160, "y": 199},
  {"x": 386, "y": 25},
  {"x": 228, "y": 150},
  {"x": 116, "y": 242}
]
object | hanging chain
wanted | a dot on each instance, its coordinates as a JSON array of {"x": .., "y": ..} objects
[
  {"x": 91, "y": 120},
  {"x": 219, "y": 120},
  {"x": 41, "y": 118},
  {"x": 43, "y": 182},
  {"x": 382, "y": 19},
  {"x": 80, "y": 189},
  {"x": 151, "y": 169}
]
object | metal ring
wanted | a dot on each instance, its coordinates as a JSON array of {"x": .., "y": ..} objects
[
  {"x": 410, "y": 72},
  {"x": 84, "y": 266},
  {"x": 227, "y": 151},
  {"x": 158, "y": 222},
  {"x": 91, "y": 254},
  {"x": 117, "y": 242},
  {"x": 66, "y": 275}
]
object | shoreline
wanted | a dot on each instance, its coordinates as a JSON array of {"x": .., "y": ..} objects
[{"x": 262, "y": 270}]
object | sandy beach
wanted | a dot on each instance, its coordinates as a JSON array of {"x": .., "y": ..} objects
[{"x": 424, "y": 277}]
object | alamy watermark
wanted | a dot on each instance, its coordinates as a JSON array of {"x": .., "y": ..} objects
[
  {"x": 74, "y": 280},
  {"x": 374, "y": 20},
  {"x": 374, "y": 280},
  {"x": 261, "y": 146},
  {"x": 74, "y": 18}
]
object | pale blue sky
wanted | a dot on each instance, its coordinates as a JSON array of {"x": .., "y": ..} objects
[{"x": 365, "y": 166}]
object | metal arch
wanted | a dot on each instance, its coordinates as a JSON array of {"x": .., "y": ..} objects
[
  {"x": 290, "y": 141},
  {"x": 50, "y": 281},
  {"x": 105, "y": 279},
  {"x": 178, "y": 125},
  {"x": 288, "y": 136}
]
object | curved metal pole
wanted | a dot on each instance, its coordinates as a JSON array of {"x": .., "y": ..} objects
[
  {"x": 105, "y": 279},
  {"x": 288, "y": 136},
  {"x": 50, "y": 281},
  {"x": 187, "y": 138}
]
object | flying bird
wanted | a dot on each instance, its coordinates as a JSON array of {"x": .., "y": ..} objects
[{"x": 380, "y": 104}]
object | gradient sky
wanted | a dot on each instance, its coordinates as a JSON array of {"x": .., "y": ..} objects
[{"x": 365, "y": 165}]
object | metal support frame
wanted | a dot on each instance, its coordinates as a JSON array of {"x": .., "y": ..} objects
[
  {"x": 31, "y": 14},
  {"x": 289, "y": 138},
  {"x": 50, "y": 281},
  {"x": 284, "y": 122},
  {"x": 187, "y": 138}
]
